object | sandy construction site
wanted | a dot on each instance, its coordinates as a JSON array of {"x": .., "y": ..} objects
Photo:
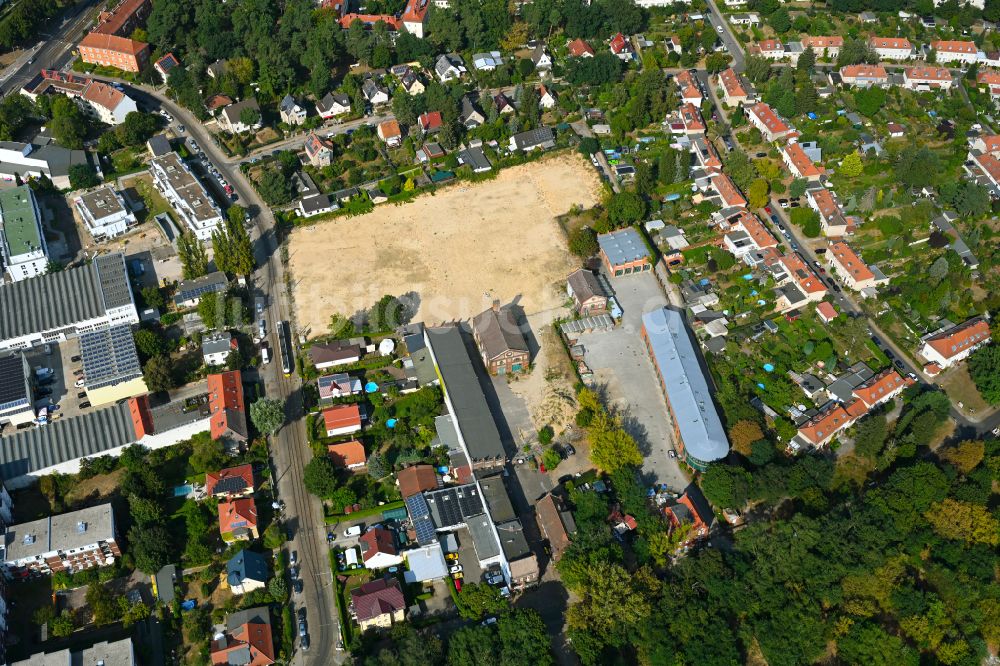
[{"x": 454, "y": 252}]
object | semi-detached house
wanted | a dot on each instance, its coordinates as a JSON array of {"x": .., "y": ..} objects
[
  {"x": 864, "y": 76},
  {"x": 799, "y": 164},
  {"x": 849, "y": 267},
  {"x": 948, "y": 50},
  {"x": 892, "y": 48},
  {"x": 734, "y": 92},
  {"x": 954, "y": 345},
  {"x": 824, "y": 46},
  {"x": 770, "y": 124},
  {"x": 927, "y": 78}
]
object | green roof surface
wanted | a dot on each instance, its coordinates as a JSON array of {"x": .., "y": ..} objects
[{"x": 17, "y": 218}]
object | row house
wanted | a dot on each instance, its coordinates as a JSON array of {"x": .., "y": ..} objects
[
  {"x": 892, "y": 48},
  {"x": 849, "y": 267},
  {"x": 746, "y": 235},
  {"x": 989, "y": 80},
  {"x": 734, "y": 92},
  {"x": 764, "y": 118},
  {"x": 824, "y": 46},
  {"x": 881, "y": 388},
  {"x": 927, "y": 78},
  {"x": 955, "y": 51},
  {"x": 691, "y": 117},
  {"x": 690, "y": 93},
  {"x": 864, "y": 76},
  {"x": 799, "y": 164},
  {"x": 831, "y": 216},
  {"x": 820, "y": 429},
  {"x": 772, "y": 49},
  {"x": 706, "y": 155},
  {"x": 797, "y": 284},
  {"x": 727, "y": 191},
  {"x": 953, "y": 345}
]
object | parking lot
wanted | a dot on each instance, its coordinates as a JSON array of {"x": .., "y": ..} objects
[{"x": 624, "y": 373}]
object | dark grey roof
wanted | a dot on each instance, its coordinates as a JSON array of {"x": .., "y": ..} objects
[
  {"x": 475, "y": 158},
  {"x": 239, "y": 618},
  {"x": 532, "y": 138},
  {"x": 190, "y": 289},
  {"x": 461, "y": 386},
  {"x": 497, "y": 500},
  {"x": 843, "y": 387},
  {"x": 315, "y": 202},
  {"x": 481, "y": 529},
  {"x": 165, "y": 579},
  {"x": 89, "y": 434},
  {"x": 452, "y": 506},
  {"x": 14, "y": 375},
  {"x": 584, "y": 284},
  {"x": 158, "y": 145},
  {"x": 109, "y": 357},
  {"x": 512, "y": 539},
  {"x": 498, "y": 332},
  {"x": 246, "y": 565},
  {"x": 63, "y": 298}
]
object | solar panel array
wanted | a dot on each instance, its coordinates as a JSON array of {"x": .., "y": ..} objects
[
  {"x": 424, "y": 528},
  {"x": 12, "y": 380},
  {"x": 109, "y": 357},
  {"x": 417, "y": 506},
  {"x": 230, "y": 484},
  {"x": 451, "y": 506}
]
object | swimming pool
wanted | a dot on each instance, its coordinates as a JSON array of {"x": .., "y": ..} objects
[{"x": 183, "y": 491}]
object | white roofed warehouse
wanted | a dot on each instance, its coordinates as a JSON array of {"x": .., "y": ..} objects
[{"x": 698, "y": 429}]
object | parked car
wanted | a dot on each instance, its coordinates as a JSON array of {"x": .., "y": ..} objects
[
  {"x": 569, "y": 450},
  {"x": 304, "y": 644},
  {"x": 451, "y": 557},
  {"x": 298, "y": 585},
  {"x": 457, "y": 576},
  {"x": 294, "y": 558},
  {"x": 455, "y": 568},
  {"x": 672, "y": 453},
  {"x": 301, "y": 614},
  {"x": 84, "y": 405},
  {"x": 302, "y": 628},
  {"x": 352, "y": 531}
]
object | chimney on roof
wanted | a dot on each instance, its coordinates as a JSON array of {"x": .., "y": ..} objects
[{"x": 496, "y": 305}]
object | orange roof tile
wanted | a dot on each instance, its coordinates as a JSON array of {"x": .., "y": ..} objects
[
  {"x": 954, "y": 46},
  {"x": 823, "y": 426},
  {"x": 805, "y": 166},
  {"x": 416, "y": 479},
  {"x": 956, "y": 340},
  {"x": 928, "y": 74},
  {"x": 113, "y": 43},
  {"x": 225, "y": 403},
  {"x": 236, "y": 514},
  {"x": 730, "y": 82},
  {"x": 880, "y": 387},
  {"x": 724, "y": 185},
  {"x": 347, "y": 454},
  {"x": 850, "y": 262},
  {"x": 341, "y": 416}
]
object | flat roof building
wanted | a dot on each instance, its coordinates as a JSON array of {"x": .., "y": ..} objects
[
  {"x": 189, "y": 292},
  {"x": 16, "y": 405},
  {"x": 104, "y": 213},
  {"x": 22, "y": 241},
  {"x": 464, "y": 397},
  {"x": 624, "y": 252},
  {"x": 186, "y": 194},
  {"x": 698, "y": 429},
  {"x": 116, "y": 653},
  {"x": 111, "y": 367},
  {"x": 65, "y": 304},
  {"x": 67, "y": 542}
]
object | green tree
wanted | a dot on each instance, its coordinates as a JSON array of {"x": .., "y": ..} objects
[
  {"x": 82, "y": 176},
  {"x": 806, "y": 61},
  {"x": 232, "y": 245},
  {"x": 626, "y": 208},
  {"x": 278, "y": 588},
  {"x": 150, "y": 547},
  {"x": 149, "y": 343},
  {"x": 68, "y": 125},
  {"x": 145, "y": 511},
  {"x": 524, "y": 639},
  {"x": 474, "y": 646},
  {"x": 797, "y": 188},
  {"x": 249, "y": 116},
  {"x": 320, "y": 477},
  {"x": 964, "y": 521},
  {"x": 137, "y": 128},
  {"x": 611, "y": 447},
  {"x": 477, "y": 600},
  {"x": 207, "y": 455},
  {"x": 153, "y": 297},
  {"x": 726, "y": 486},
  {"x": 551, "y": 458},
  {"x": 275, "y": 187},
  {"x": 159, "y": 374},
  {"x": 63, "y": 625},
  {"x": 757, "y": 193},
  {"x": 103, "y": 606},
  {"x": 869, "y": 101},
  {"x": 851, "y": 166},
  {"x": 583, "y": 242},
  {"x": 193, "y": 256},
  {"x": 388, "y": 313},
  {"x": 984, "y": 367},
  {"x": 267, "y": 414},
  {"x": 378, "y": 466}
]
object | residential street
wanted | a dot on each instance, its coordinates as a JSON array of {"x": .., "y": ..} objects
[{"x": 303, "y": 516}]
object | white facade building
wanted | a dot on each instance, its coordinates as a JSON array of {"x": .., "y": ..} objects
[
  {"x": 22, "y": 241},
  {"x": 187, "y": 196},
  {"x": 104, "y": 213}
]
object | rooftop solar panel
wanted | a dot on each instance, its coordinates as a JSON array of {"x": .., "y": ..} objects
[
  {"x": 417, "y": 506},
  {"x": 425, "y": 531},
  {"x": 109, "y": 356}
]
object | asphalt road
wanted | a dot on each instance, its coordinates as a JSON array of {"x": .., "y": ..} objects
[
  {"x": 728, "y": 38},
  {"x": 59, "y": 38},
  {"x": 303, "y": 514}
]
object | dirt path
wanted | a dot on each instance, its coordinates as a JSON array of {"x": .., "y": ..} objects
[{"x": 453, "y": 252}]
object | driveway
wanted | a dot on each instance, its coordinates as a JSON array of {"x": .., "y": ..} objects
[{"x": 624, "y": 372}]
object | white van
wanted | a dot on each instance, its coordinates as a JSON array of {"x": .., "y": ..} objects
[
  {"x": 352, "y": 531},
  {"x": 351, "y": 557},
  {"x": 265, "y": 355}
]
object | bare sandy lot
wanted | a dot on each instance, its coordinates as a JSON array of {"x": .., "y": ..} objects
[{"x": 454, "y": 252}]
